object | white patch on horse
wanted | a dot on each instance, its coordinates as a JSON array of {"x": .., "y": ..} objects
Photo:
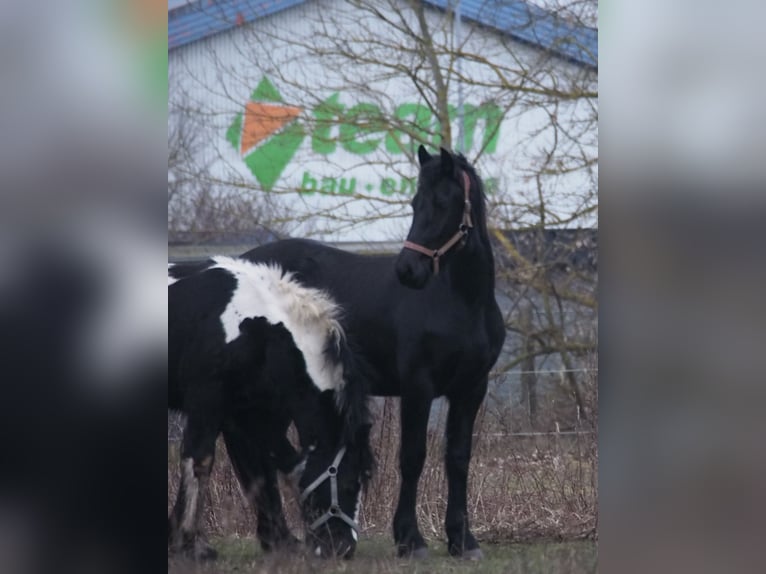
[
  {"x": 171, "y": 279},
  {"x": 309, "y": 314},
  {"x": 190, "y": 484},
  {"x": 295, "y": 475}
]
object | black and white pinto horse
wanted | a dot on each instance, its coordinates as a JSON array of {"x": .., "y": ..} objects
[
  {"x": 428, "y": 323},
  {"x": 251, "y": 350}
]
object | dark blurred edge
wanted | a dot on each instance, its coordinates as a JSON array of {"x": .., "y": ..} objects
[
  {"x": 682, "y": 340},
  {"x": 682, "y": 324},
  {"x": 82, "y": 248}
]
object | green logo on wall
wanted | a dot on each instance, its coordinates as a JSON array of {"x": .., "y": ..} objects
[{"x": 268, "y": 133}]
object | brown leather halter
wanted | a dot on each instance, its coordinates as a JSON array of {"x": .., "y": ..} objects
[{"x": 461, "y": 232}]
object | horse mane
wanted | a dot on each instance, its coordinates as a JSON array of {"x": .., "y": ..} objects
[
  {"x": 352, "y": 402},
  {"x": 310, "y": 315},
  {"x": 303, "y": 305},
  {"x": 478, "y": 196}
]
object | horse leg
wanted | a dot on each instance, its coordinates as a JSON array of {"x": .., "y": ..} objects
[
  {"x": 415, "y": 410},
  {"x": 249, "y": 442},
  {"x": 460, "y": 420},
  {"x": 197, "y": 456},
  {"x": 272, "y": 526}
]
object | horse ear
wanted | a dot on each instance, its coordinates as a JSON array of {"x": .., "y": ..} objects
[
  {"x": 448, "y": 162},
  {"x": 423, "y": 156}
]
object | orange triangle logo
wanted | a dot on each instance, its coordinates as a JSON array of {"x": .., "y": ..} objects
[{"x": 262, "y": 120}]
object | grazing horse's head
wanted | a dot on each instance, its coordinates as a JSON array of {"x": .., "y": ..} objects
[
  {"x": 442, "y": 217},
  {"x": 331, "y": 491}
]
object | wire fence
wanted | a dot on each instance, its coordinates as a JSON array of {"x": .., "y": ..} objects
[
  {"x": 504, "y": 402},
  {"x": 544, "y": 372},
  {"x": 535, "y": 434}
]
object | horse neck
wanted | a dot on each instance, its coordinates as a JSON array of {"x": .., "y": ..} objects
[
  {"x": 310, "y": 421},
  {"x": 472, "y": 269}
]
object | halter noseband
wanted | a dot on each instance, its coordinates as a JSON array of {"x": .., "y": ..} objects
[
  {"x": 335, "y": 511},
  {"x": 465, "y": 225}
]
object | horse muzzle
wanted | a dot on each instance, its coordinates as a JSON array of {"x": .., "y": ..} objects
[
  {"x": 413, "y": 269},
  {"x": 332, "y": 544}
]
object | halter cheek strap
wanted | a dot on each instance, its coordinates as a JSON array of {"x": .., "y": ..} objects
[
  {"x": 465, "y": 225},
  {"x": 335, "y": 511}
]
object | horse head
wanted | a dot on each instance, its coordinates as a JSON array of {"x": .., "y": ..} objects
[
  {"x": 442, "y": 216},
  {"x": 331, "y": 490}
]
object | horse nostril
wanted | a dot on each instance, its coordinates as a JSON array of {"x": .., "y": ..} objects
[
  {"x": 411, "y": 277},
  {"x": 405, "y": 272}
]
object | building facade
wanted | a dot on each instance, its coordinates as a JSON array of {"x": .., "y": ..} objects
[{"x": 316, "y": 108}]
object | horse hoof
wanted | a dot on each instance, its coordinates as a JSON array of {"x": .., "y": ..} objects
[
  {"x": 420, "y": 553},
  {"x": 286, "y": 544},
  {"x": 205, "y": 553},
  {"x": 194, "y": 550},
  {"x": 416, "y": 554},
  {"x": 473, "y": 555}
]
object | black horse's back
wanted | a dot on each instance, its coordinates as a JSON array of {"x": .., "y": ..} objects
[
  {"x": 318, "y": 265},
  {"x": 388, "y": 321}
]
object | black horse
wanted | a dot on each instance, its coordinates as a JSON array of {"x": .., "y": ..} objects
[
  {"x": 251, "y": 350},
  {"x": 428, "y": 323}
]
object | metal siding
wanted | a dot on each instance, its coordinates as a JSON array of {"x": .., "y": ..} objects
[{"x": 525, "y": 22}]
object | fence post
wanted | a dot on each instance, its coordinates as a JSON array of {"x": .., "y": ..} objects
[{"x": 528, "y": 376}]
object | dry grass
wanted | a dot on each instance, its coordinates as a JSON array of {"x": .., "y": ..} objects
[{"x": 520, "y": 489}]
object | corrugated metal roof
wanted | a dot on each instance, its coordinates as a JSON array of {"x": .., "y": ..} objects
[
  {"x": 532, "y": 25},
  {"x": 197, "y": 20},
  {"x": 523, "y": 21}
]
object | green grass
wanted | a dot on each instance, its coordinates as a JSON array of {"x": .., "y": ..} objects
[{"x": 376, "y": 556}]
